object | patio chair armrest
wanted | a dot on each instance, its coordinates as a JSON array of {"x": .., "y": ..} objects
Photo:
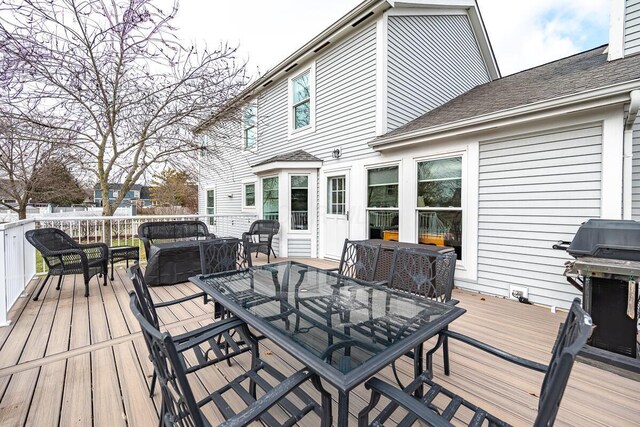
[
  {"x": 520, "y": 361},
  {"x": 61, "y": 253},
  {"x": 267, "y": 401},
  {"x": 408, "y": 402},
  {"x": 181, "y": 300},
  {"x": 93, "y": 249},
  {"x": 332, "y": 269},
  {"x": 196, "y": 337},
  {"x": 452, "y": 302}
]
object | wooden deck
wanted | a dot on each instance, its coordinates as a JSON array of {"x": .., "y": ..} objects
[{"x": 70, "y": 360}]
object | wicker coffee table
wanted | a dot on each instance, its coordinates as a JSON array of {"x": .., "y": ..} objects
[{"x": 123, "y": 253}]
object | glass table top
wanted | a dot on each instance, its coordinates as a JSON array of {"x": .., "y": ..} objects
[{"x": 341, "y": 321}]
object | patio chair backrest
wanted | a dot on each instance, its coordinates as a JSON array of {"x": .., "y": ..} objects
[
  {"x": 573, "y": 336},
  {"x": 144, "y": 297},
  {"x": 179, "y": 404},
  {"x": 359, "y": 260},
  {"x": 48, "y": 240},
  {"x": 219, "y": 255},
  {"x": 423, "y": 272},
  {"x": 264, "y": 229}
]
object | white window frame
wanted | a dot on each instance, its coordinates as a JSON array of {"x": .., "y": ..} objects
[
  {"x": 245, "y": 128},
  {"x": 463, "y": 206},
  {"x": 289, "y": 176},
  {"x": 366, "y": 194},
  {"x": 246, "y": 207},
  {"x": 262, "y": 213},
  {"x": 311, "y": 127},
  {"x": 210, "y": 221}
]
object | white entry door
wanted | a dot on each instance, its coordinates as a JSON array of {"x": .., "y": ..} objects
[{"x": 336, "y": 227}]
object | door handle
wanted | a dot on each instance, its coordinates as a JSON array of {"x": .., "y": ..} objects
[{"x": 347, "y": 215}]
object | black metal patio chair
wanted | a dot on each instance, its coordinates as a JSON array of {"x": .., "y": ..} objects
[
  {"x": 359, "y": 260},
  {"x": 64, "y": 256},
  {"x": 224, "y": 255},
  {"x": 260, "y": 237},
  {"x": 436, "y": 406},
  {"x": 172, "y": 363},
  {"x": 222, "y": 344},
  {"x": 426, "y": 273}
]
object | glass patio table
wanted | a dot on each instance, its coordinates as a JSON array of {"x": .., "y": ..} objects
[{"x": 343, "y": 329}]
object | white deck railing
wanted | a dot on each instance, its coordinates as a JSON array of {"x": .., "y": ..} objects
[
  {"x": 19, "y": 261},
  {"x": 118, "y": 230},
  {"x": 17, "y": 264}
]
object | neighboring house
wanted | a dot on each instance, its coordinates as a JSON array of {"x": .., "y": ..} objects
[
  {"x": 407, "y": 132},
  {"x": 138, "y": 195}
]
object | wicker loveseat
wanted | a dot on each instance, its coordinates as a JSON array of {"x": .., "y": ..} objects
[{"x": 172, "y": 250}]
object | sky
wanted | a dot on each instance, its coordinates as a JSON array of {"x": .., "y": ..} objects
[{"x": 523, "y": 33}]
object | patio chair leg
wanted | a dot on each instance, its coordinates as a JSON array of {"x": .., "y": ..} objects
[
  {"x": 445, "y": 355},
  {"x": 59, "y": 283},
  {"x": 152, "y": 386},
  {"x": 86, "y": 288},
  {"x": 42, "y": 287},
  {"x": 106, "y": 273},
  {"x": 326, "y": 419}
]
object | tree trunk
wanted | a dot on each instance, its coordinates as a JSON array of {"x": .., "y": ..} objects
[{"x": 22, "y": 211}]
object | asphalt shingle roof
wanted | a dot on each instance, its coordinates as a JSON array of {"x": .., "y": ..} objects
[
  {"x": 585, "y": 71},
  {"x": 293, "y": 156}
]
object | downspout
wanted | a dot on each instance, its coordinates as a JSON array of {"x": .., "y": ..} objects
[{"x": 627, "y": 165}]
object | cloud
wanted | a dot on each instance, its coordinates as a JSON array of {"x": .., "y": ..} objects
[{"x": 525, "y": 34}]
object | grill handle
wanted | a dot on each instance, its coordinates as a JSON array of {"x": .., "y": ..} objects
[
  {"x": 575, "y": 284},
  {"x": 561, "y": 245}
]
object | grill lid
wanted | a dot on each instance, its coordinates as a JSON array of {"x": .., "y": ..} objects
[{"x": 606, "y": 238}]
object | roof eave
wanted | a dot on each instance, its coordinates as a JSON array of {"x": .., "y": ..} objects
[
  {"x": 285, "y": 164},
  {"x": 603, "y": 96}
]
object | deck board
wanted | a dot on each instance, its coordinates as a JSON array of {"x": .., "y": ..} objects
[{"x": 69, "y": 360}]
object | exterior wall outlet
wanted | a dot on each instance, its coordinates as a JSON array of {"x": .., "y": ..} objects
[{"x": 518, "y": 291}]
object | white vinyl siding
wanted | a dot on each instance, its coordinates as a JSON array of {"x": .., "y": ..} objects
[
  {"x": 635, "y": 170},
  {"x": 431, "y": 59},
  {"x": 300, "y": 248},
  {"x": 534, "y": 191},
  {"x": 632, "y": 27}
]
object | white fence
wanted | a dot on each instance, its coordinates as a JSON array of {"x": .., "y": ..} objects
[{"x": 17, "y": 264}]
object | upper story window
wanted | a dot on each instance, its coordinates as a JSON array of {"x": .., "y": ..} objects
[
  {"x": 302, "y": 102},
  {"x": 439, "y": 203},
  {"x": 249, "y": 127}
]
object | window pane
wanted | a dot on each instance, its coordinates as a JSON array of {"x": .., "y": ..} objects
[
  {"x": 383, "y": 176},
  {"x": 442, "y": 228},
  {"x": 440, "y": 183},
  {"x": 383, "y": 225},
  {"x": 299, "y": 203},
  {"x": 299, "y": 181},
  {"x": 250, "y": 195},
  {"x": 250, "y": 137},
  {"x": 301, "y": 88},
  {"x": 439, "y": 169},
  {"x": 211, "y": 201},
  {"x": 302, "y": 115},
  {"x": 270, "y": 198},
  {"x": 249, "y": 117},
  {"x": 383, "y": 188}
]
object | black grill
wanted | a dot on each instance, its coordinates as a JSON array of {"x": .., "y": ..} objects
[{"x": 607, "y": 271}]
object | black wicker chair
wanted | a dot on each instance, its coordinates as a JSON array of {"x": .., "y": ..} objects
[
  {"x": 260, "y": 237},
  {"x": 436, "y": 406},
  {"x": 64, "y": 256},
  {"x": 216, "y": 335},
  {"x": 179, "y": 406}
]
